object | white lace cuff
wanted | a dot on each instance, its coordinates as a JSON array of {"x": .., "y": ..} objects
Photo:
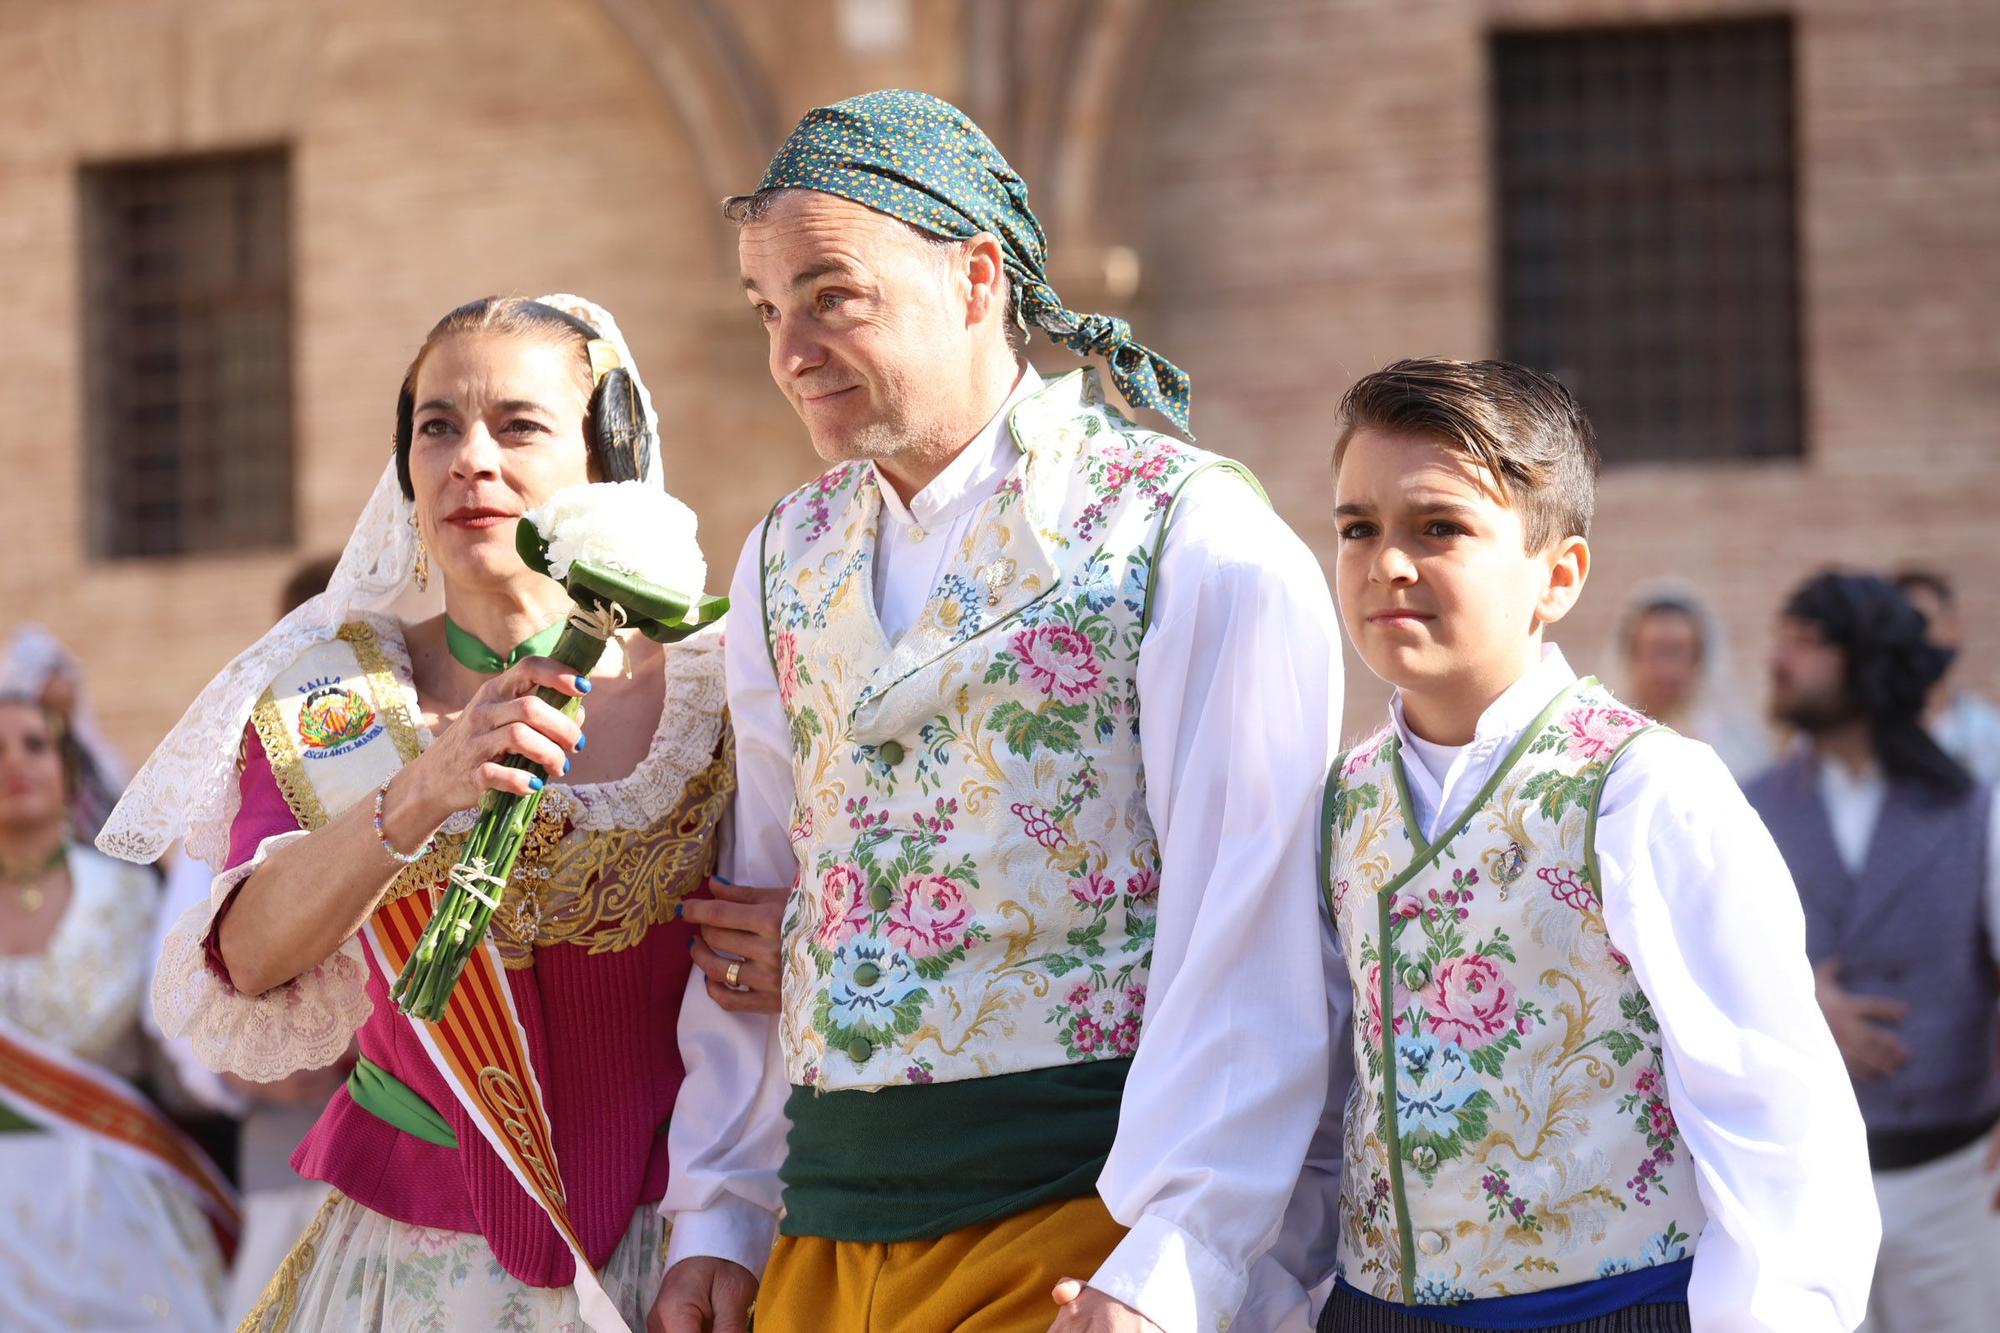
[{"x": 307, "y": 1023}]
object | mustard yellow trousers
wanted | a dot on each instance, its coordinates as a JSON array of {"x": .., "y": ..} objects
[{"x": 991, "y": 1278}]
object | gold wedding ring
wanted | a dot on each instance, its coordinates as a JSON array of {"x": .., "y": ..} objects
[{"x": 733, "y": 977}]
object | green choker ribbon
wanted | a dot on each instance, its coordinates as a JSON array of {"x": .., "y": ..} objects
[
  {"x": 922, "y": 160},
  {"x": 471, "y": 652}
]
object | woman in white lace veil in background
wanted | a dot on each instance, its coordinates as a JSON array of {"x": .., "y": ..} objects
[
  {"x": 102, "y": 1202},
  {"x": 500, "y": 1168},
  {"x": 36, "y": 665},
  {"x": 1675, "y": 667}
]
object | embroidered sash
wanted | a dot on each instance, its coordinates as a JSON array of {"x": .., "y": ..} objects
[
  {"x": 335, "y": 724},
  {"x": 54, "y": 1090}
]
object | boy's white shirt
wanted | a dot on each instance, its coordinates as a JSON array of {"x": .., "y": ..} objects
[
  {"x": 1243, "y": 652},
  {"x": 1697, "y": 896}
]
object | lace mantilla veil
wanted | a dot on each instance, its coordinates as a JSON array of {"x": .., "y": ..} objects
[{"x": 188, "y": 788}]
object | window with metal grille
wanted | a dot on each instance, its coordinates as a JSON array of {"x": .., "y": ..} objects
[
  {"x": 187, "y": 287},
  {"x": 1647, "y": 243}
]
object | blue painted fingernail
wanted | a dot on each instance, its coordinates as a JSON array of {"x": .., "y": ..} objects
[
  {"x": 534, "y": 784},
  {"x": 565, "y": 765},
  {"x": 582, "y": 740},
  {"x": 583, "y": 685}
]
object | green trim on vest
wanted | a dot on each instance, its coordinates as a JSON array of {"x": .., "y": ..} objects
[
  {"x": 920, "y": 1161},
  {"x": 1392, "y": 1134},
  {"x": 394, "y": 1102},
  {"x": 1429, "y": 852},
  {"x": 1596, "y": 801},
  {"x": 1411, "y": 826},
  {"x": 1166, "y": 521},
  {"x": 1328, "y": 794},
  {"x": 1424, "y": 857},
  {"x": 764, "y": 587}
]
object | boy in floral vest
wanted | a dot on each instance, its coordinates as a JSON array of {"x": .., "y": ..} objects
[{"x": 1591, "y": 1087}]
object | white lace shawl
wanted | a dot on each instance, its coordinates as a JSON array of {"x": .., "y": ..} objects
[
  {"x": 309, "y": 1021},
  {"x": 187, "y": 789}
]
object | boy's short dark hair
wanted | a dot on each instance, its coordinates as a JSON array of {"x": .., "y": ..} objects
[{"x": 1518, "y": 424}]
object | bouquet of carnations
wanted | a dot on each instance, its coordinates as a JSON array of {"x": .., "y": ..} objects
[{"x": 624, "y": 551}]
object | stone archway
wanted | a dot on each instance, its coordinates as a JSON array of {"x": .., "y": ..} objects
[{"x": 707, "y": 74}]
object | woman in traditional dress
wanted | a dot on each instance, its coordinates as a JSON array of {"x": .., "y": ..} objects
[
  {"x": 332, "y": 772},
  {"x": 1676, "y": 670},
  {"x": 101, "y": 1202},
  {"x": 37, "y": 665}
]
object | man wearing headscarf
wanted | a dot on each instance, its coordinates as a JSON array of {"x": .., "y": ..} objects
[
  {"x": 1030, "y": 702},
  {"x": 1896, "y": 852}
]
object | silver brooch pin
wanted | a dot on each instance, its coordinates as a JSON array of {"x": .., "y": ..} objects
[
  {"x": 996, "y": 576},
  {"x": 1509, "y": 867}
]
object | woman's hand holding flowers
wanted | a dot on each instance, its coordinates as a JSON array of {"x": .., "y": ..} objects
[{"x": 502, "y": 718}]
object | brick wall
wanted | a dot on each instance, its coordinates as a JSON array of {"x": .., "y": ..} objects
[
  {"x": 1304, "y": 185},
  {"x": 439, "y": 152},
  {"x": 1308, "y": 187}
]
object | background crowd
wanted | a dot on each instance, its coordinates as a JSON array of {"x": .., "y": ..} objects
[
  {"x": 1756, "y": 240},
  {"x": 59, "y": 777}
]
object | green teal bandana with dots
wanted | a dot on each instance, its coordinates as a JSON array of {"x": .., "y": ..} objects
[{"x": 922, "y": 160}]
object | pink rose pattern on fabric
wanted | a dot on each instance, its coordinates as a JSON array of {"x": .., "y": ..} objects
[
  {"x": 1094, "y": 888},
  {"x": 1596, "y": 733},
  {"x": 928, "y": 915},
  {"x": 904, "y": 919},
  {"x": 843, "y": 904},
  {"x": 1475, "y": 956},
  {"x": 1400, "y": 998},
  {"x": 1365, "y": 754},
  {"x": 1059, "y": 659},
  {"x": 785, "y": 654},
  {"x": 1469, "y": 1002}
]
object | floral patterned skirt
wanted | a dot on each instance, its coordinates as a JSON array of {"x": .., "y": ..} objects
[{"x": 356, "y": 1269}]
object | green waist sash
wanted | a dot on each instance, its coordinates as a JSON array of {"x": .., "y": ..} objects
[
  {"x": 917, "y": 1162},
  {"x": 387, "y": 1098}
]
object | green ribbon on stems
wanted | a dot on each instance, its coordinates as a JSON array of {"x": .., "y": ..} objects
[{"x": 606, "y": 600}]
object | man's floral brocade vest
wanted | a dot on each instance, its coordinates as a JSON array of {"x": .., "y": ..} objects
[
  {"x": 1519, "y": 1137},
  {"x": 977, "y": 870}
]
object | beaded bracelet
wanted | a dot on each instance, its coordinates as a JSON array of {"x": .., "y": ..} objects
[{"x": 382, "y": 834}]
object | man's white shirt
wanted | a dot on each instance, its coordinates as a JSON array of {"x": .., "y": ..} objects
[{"x": 1239, "y": 686}]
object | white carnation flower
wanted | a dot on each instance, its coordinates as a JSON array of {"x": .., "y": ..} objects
[{"x": 630, "y": 526}]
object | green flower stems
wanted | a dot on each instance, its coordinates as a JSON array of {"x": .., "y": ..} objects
[{"x": 459, "y": 926}]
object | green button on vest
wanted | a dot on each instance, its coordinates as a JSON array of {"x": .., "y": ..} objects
[
  {"x": 867, "y": 974},
  {"x": 879, "y": 896},
  {"x": 890, "y": 753},
  {"x": 860, "y": 1049}
]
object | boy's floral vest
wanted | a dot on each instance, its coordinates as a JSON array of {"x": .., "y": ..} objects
[
  {"x": 977, "y": 871},
  {"x": 1520, "y": 1137}
]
